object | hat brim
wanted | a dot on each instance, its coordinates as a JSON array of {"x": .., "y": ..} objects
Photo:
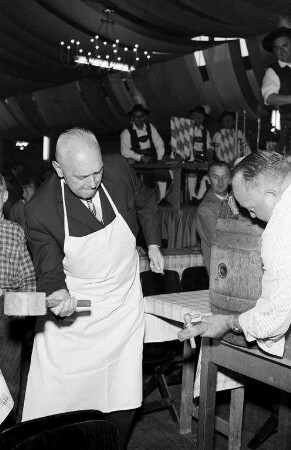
[{"x": 267, "y": 42}]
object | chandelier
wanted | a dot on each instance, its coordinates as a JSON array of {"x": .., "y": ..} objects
[{"x": 103, "y": 52}]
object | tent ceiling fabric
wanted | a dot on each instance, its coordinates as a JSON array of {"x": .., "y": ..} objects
[{"x": 30, "y": 31}]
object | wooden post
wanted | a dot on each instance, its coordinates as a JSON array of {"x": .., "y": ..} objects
[
  {"x": 187, "y": 389},
  {"x": 176, "y": 188},
  {"x": 284, "y": 422},
  {"x": 206, "y": 416},
  {"x": 236, "y": 418}
]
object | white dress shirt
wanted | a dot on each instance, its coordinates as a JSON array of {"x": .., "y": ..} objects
[
  {"x": 269, "y": 320},
  {"x": 271, "y": 82},
  {"x": 125, "y": 143}
]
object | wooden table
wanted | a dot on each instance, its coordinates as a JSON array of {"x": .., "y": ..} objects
[
  {"x": 177, "y": 168},
  {"x": 175, "y": 259},
  {"x": 252, "y": 363},
  {"x": 172, "y": 307}
]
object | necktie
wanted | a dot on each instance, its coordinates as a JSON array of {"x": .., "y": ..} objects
[{"x": 92, "y": 208}]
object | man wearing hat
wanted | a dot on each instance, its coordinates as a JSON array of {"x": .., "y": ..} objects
[
  {"x": 276, "y": 87},
  {"x": 141, "y": 142},
  {"x": 200, "y": 148}
]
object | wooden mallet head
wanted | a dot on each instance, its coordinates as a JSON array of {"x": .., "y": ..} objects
[{"x": 31, "y": 303}]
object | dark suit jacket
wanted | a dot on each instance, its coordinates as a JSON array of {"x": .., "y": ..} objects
[
  {"x": 207, "y": 216},
  {"x": 45, "y": 218}
]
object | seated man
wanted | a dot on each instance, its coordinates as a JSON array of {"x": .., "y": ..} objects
[
  {"x": 17, "y": 274},
  {"x": 224, "y": 140},
  {"x": 208, "y": 210},
  {"x": 141, "y": 142}
]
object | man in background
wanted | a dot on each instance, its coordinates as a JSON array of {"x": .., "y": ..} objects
[
  {"x": 227, "y": 143},
  {"x": 276, "y": 86},
  {"x": 16, "y": 274},
  {"x": 141, "y": 142},
  {"x": 208, "y": 210},
  {"x": 200, "y": 151}
]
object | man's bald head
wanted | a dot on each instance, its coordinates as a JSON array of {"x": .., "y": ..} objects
[
  {"x": 70, "y": 144},
  {"x": 79, "y": 162}
]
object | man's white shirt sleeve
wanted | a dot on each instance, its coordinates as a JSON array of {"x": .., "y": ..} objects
[
  {"x": 125, "y": 146},
  {"x": 269, "y": 320},
  {"x": 271, "y": 84},
  {"x": 158, "y": 142}
]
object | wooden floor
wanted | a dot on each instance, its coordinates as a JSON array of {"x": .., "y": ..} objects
[{"x": 157, "y": 431}]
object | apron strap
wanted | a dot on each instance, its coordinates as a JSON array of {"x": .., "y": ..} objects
[
  {"x": 110, "y": 200},
  {"x": 66, "y": 225}
]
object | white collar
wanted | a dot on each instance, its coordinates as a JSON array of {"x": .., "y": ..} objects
[
  {"x": 284, "y": 64},
  {"x": 221, "y": 197},
  {"x": 139, "y": 129}
]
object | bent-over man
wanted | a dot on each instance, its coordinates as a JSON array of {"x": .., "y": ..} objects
[{"x": 261, "y": 183}]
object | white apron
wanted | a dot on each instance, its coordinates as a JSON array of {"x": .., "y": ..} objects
[{"x": 95, "y": 361}]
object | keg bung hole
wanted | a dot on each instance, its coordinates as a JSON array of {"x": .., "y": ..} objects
[{"x": 222, "y": 270}]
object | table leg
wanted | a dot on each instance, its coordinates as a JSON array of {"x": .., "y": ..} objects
[
  {"x": 236, "y": 418},
  {"x": 284, "y": 422},
  {"x": 187, "y": 388},
  {"x": 206, "y": 415},
  {"x": 176, "y": 188}
]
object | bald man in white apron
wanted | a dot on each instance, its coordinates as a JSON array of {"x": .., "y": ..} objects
[{"x": 92, "y": 359}]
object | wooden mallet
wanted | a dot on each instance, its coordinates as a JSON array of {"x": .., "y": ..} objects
[{"x": 32, "y": 303}]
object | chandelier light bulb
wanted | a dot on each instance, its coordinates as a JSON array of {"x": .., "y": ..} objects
[
  {"x": 92, "y": 40},
  {"x": 78, "y": 43},
  {"x": 105, "y": 43},
  {"x": 118, "y": 58},
  {"x": 117, "y": 41},
  {"x": 97, "y": 46},
  {"x": 72, "y": 41},
  {"x": 136, "y": 45},
  {"x": 80, "y": 50},
  {"x": 68, "y": 47},
  {"x": 125, "y": 49},
  {"x": 145, "y": 52},
  {"x": 115, "y": 51},
  {"x": 89, "y": 53},
  {"x": 62, "y": 43},
  {"x": 96, "y": 37},
  {"x": 107, "y": 56},
  {"x": 148, "y": 57},
  {"x": 135, "y": 49}
]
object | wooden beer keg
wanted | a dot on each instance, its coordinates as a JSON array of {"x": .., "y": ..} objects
[{"x": 235, "y": 269}]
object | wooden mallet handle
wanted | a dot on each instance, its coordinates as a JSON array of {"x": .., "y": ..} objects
[
  {"x": 188, "y": 324},
  {"x": 52, "y": 303}
]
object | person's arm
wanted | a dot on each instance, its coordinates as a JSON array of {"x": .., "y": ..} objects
[
  {"x": 25, "y": 269},
  {"x": 47, "y": 255},
  {"x": 271, "y": 88},
  {"x": 270, "y": 318},
  {"x": 158, "y": 143},
  {"x": 125, "y": 147}
]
